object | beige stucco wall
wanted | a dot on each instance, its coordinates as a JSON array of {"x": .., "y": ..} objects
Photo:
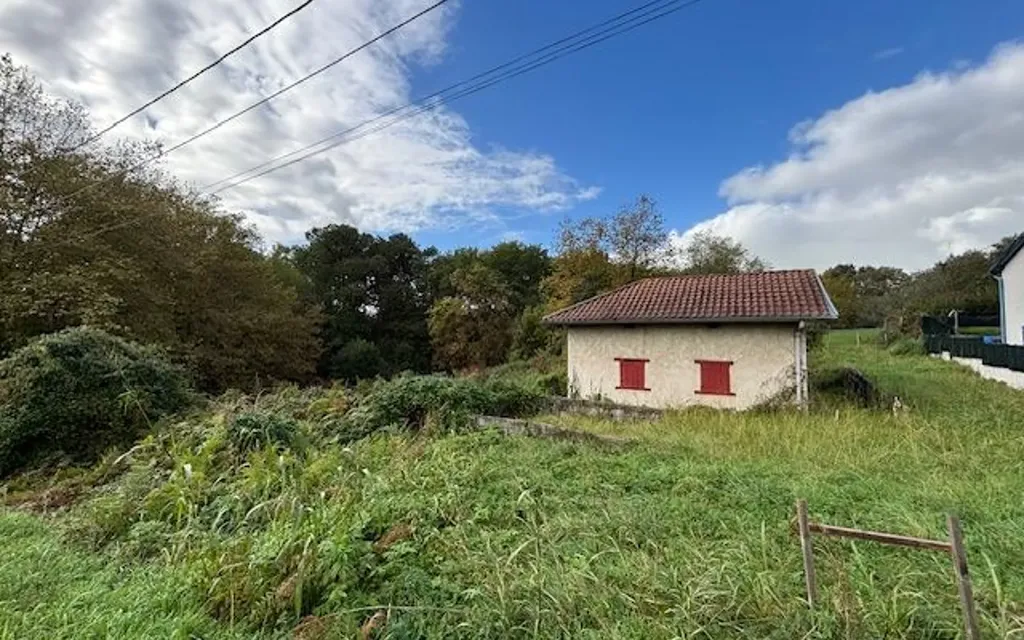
[
  {"x": 763, "y": 357},
  {"x": 1013, "y": 300}
]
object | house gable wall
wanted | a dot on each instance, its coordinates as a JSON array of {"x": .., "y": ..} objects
[
  {"x": 763, "y": 358},
  {"x": 1012, "y": 290}
]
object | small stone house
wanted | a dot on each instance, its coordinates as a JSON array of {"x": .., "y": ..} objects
[
  {"x": 1009, "y": 273},
  {"x": 726, "y": 341}
]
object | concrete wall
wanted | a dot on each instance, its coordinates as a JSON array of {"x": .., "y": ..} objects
[
  {"x": 1013, "y": 300},
  {"x": 763, "y": 356},
  {"x": 1012, "y": 378}
]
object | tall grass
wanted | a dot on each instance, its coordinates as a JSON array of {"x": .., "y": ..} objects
[
  {"x": 50, "y": 590},
  {"x": 474, "y": 534}
]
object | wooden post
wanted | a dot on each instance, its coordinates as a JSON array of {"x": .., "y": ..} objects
[
  {"x": 808, "y": 550},
  {"x": 963, "y": 579},
  {"x": 884, "y": 538}
]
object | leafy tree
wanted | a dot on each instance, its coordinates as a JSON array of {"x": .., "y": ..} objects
[
  {"x": 577, "y": 275},
  {"x": 707, "y": 253},
  {"x": 588, "y": 234},
  {"x": 875, "y": 293},
  {"x": 403, "y": 301},
  {"x": 358, "y": 359},
  {"x": 83, "y": 241},
  {"x": 960, "y": 282},
  {"x": 522, "y": 268},
  {"x": 878, "y": 282},
  {"x": 236, "y": 316},
  {"x": 374, "y": 292},
  {"x": 194, "y": 282},
  {"x": 513, "y": 271},
  {"x": 638, "y": 239},
  {"x": 473, "y": 327},
  {"x": 842, "y": 289},
  {"x": 530, "y": 336},
  {"x": 599, "y": 254},
  {"x": 444, "y": 265}
]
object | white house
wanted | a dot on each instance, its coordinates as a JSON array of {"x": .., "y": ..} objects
[
  {"x": 728, "y": 341},
  {"x": 1009, "y": 272}
]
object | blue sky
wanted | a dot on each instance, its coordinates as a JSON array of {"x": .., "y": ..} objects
[
  {"x": 677, "y": 106},
  {"x": 813, "y": 131}
]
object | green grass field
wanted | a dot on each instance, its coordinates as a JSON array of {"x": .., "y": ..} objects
[
  {"x": 49, "y": 590},
  {"x": 685, "y": 534},
  {"x": 981, "y": 331}
]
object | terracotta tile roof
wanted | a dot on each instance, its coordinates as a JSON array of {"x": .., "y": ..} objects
[{"x": 770, "y": 296}]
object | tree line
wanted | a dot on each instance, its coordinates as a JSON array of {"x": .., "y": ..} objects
[
  {"x": 869, "y": 296},
  {"x": 87, "y": 240}
]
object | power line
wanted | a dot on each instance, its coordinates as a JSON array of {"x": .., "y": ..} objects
[
  {"x": 563, "y": 47},
  {"x": 195, "y": 75},
  {"x": 575, "y": 36},
  {"x": 262, "y": 101},
  {"x": 578, "y": 41}
]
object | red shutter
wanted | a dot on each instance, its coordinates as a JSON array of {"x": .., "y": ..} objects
[
  {"x": 714, "y": 377},
  {"x": 632, "y": 374}
]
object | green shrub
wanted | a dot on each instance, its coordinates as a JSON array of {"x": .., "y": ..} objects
[
  {"x": 405, "y": 402},
  {"x": 545, "y": 373},
  {"x": 556, "y": 384},
  {"x": 253, "y": 431},
  {"x": 511, "y": 397},
  {"x": 75, "y": 393}
]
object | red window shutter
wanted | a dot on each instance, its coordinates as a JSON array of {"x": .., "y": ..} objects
[
  {"x": 715, "y": 377},
  {"x": 632, "y": 374}
]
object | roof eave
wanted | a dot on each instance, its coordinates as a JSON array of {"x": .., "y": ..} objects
[
  {"x": 727, "y": 320},
  {"x": 833, "y": 311},
  {"x": 1007, "y": 256}
]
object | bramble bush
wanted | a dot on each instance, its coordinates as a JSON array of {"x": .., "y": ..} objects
[
  {"x": 407, "y": 402},
  {"x": 75, "y": 393}
]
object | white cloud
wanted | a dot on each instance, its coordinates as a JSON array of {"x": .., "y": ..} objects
[
  {"x": 425, "y": 172},
  {"x": 903, "y": 177}
]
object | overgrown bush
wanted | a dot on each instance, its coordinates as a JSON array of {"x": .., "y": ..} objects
[
  {"x": 407, "y": 401},
  {"x": 75, "y": 393},
  {"x": 547, "y": 373}
]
